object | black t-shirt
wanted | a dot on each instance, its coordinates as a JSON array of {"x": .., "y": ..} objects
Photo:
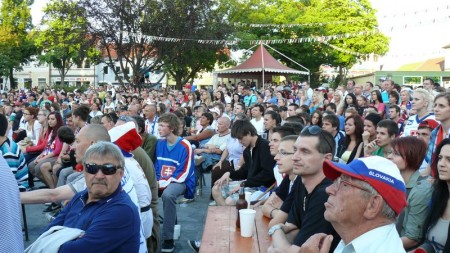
[
  {"x": 307, "y": 213},
  {"x": 287, "y": 202}
]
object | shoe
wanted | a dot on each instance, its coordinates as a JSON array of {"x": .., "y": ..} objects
[
  {"x": 213, "y": 203},
  {"x": 198, "y": 160},
  {"x": 194, "y": 245},
  {"x": 52, "y": 216},
  {"x": 168, "y": 246},
  {"x": 48, "y": 203},
  {"x": 185, "y": 200},
  {"x": 52, "y": 208}
]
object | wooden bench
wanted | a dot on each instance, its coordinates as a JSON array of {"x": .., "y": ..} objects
[{"x": 220, "y": 233}]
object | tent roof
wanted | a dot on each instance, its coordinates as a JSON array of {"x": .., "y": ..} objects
[{"x": 261, "y": 60}]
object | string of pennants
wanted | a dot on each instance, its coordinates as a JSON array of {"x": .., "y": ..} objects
[
  {"x": 150, "y": 38},
  {"x": 343, "y": 50}
]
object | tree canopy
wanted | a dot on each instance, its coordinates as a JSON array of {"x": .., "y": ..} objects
[
  {"x": 64, "y": 41},
  {"x": 311, "y": 18},
  {"x": 16, "y": 43}
]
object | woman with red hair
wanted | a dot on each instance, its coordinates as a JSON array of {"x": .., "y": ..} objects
[{"x": 408, "y": 154}]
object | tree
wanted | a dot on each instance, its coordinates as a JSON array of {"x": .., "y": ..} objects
[
  {"x": 65, "y": 41},
  {"x": 16, "y": 43},
  {"x": 315, "y": 18},
  {"x": 125, "y": 28}
]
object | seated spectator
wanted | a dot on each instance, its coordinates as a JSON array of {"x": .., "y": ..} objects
[
  {"x": 349, "y": 147},
  {"x": 175, "y": 172},
  {"x": 386, "y": 132},
  {"x": 370, "y": 130},
  {"x": 32, "y": 126},
  {"x": 362, "y": 206},
  {"x": 205, "y": 133},
  {"x": 312, "y": 148},
  {"x": 330, "y": 123},
  {"x": 148, "y": 140},
  {"x": 258, "y": 165},
  {"x": 436, "y": 224},
  {"x": 51, "y": 173},
  {"x": 408, "y": 154},
  {"x": 285, "y": 166},
  {"x": 211, "y": 152},
  {"x": 422, "y": 105},
  {"x": 101, "y": 209},
  {"x": 52, "y": 148},
  {"x": 13, "y": 156}
]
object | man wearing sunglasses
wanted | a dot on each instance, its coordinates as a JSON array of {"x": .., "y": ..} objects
[
  {"x": 106, "y": 214},
  {"x": 305, "y": 218},
  {"x": 364, "y": 201}
]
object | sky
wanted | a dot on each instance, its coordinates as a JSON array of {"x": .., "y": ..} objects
[{"x": 417, "y": 31}]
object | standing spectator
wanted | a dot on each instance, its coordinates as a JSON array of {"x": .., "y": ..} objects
[{"x": 442, "y": 113}]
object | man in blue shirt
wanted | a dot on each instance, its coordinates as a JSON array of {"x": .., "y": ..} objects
[{"x": 106, "y": 214}]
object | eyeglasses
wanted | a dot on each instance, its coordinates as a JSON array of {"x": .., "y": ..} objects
[
  {"x": 40, "y": 114},
  {"x": 315, "y": 130},
  {"x": 107, "y": 169},
  {"x": 283, "y": 153},
  {"x": 339, "y": 181}
]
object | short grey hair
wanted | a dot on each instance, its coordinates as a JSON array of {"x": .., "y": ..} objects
[
  {"x": 387, "y": 211},
  {"x": 102, "y": 149}
]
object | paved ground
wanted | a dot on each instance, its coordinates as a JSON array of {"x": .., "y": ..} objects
[{"x": 191, "y": 217}]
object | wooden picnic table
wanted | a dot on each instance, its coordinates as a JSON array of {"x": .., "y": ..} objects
[{"x": 220, "y": 233}]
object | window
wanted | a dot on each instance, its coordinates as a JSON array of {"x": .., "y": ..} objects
[
  {"x": 117, "y": 69},
  {"x": 105, "y": 70},
  {"x": 87, "y": 64},
  {"x": 42, "y": 82},
  {"x": 80, "y": 64}
]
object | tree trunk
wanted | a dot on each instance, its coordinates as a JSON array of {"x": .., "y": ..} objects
[{"x": 12, "y": 84}]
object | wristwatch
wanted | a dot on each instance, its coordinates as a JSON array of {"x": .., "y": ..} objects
[{"x": 275, "y": 228}]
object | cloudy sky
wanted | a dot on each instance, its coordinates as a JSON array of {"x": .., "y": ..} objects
[{"x": 418, "y": 31}]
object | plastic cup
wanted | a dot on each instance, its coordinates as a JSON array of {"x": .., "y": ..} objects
[
  {"x": 248, "y": 198},
  {"x": 247, "y": 219}
]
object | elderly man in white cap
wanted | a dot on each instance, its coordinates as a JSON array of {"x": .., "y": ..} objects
[{"x": 364, "y": 201}]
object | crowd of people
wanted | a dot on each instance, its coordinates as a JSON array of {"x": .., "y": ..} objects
[{"x": 358, "y": 167}]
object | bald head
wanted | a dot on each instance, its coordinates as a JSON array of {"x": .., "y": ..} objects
[
  {"x": 223, "y": 125},
  {"x": 96, "y": 133}
]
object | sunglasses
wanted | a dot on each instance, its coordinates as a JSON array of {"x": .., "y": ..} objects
[
  {"x": 107, "y": 169},
  {"x": 315, "y": 130}
]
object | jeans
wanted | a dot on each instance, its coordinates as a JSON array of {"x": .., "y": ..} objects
[{"x": 169, "y": 198}]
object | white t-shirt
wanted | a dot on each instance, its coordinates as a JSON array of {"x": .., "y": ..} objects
[
  {"x": 412, "y": 124},
  {"x": 259, "y": 125}
]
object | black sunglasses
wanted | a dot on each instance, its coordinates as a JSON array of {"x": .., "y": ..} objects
[
  {"x": 107, "y": 169},
  {"x": 315, "y": 130}
]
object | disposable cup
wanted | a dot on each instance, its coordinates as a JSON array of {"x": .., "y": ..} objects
[
  {"x": 248, "y": 198},
  {"x": 247, "y": 219}
]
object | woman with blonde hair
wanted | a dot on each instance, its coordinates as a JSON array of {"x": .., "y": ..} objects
[
  {"x": 338, "y": 100},
  {"x": 316, "y": 102}
]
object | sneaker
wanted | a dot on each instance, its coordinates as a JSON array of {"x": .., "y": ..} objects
[
  {"x": 52, "y": 208},
  {"x": 213, "y": 203},
  {"x": 168, "y": 246},
  {"x": 198, "y": 160},
  {"x": 50, "y": 217},
  {"x": 194, "y": 245},
  {"x": 185, "y": 200}
]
